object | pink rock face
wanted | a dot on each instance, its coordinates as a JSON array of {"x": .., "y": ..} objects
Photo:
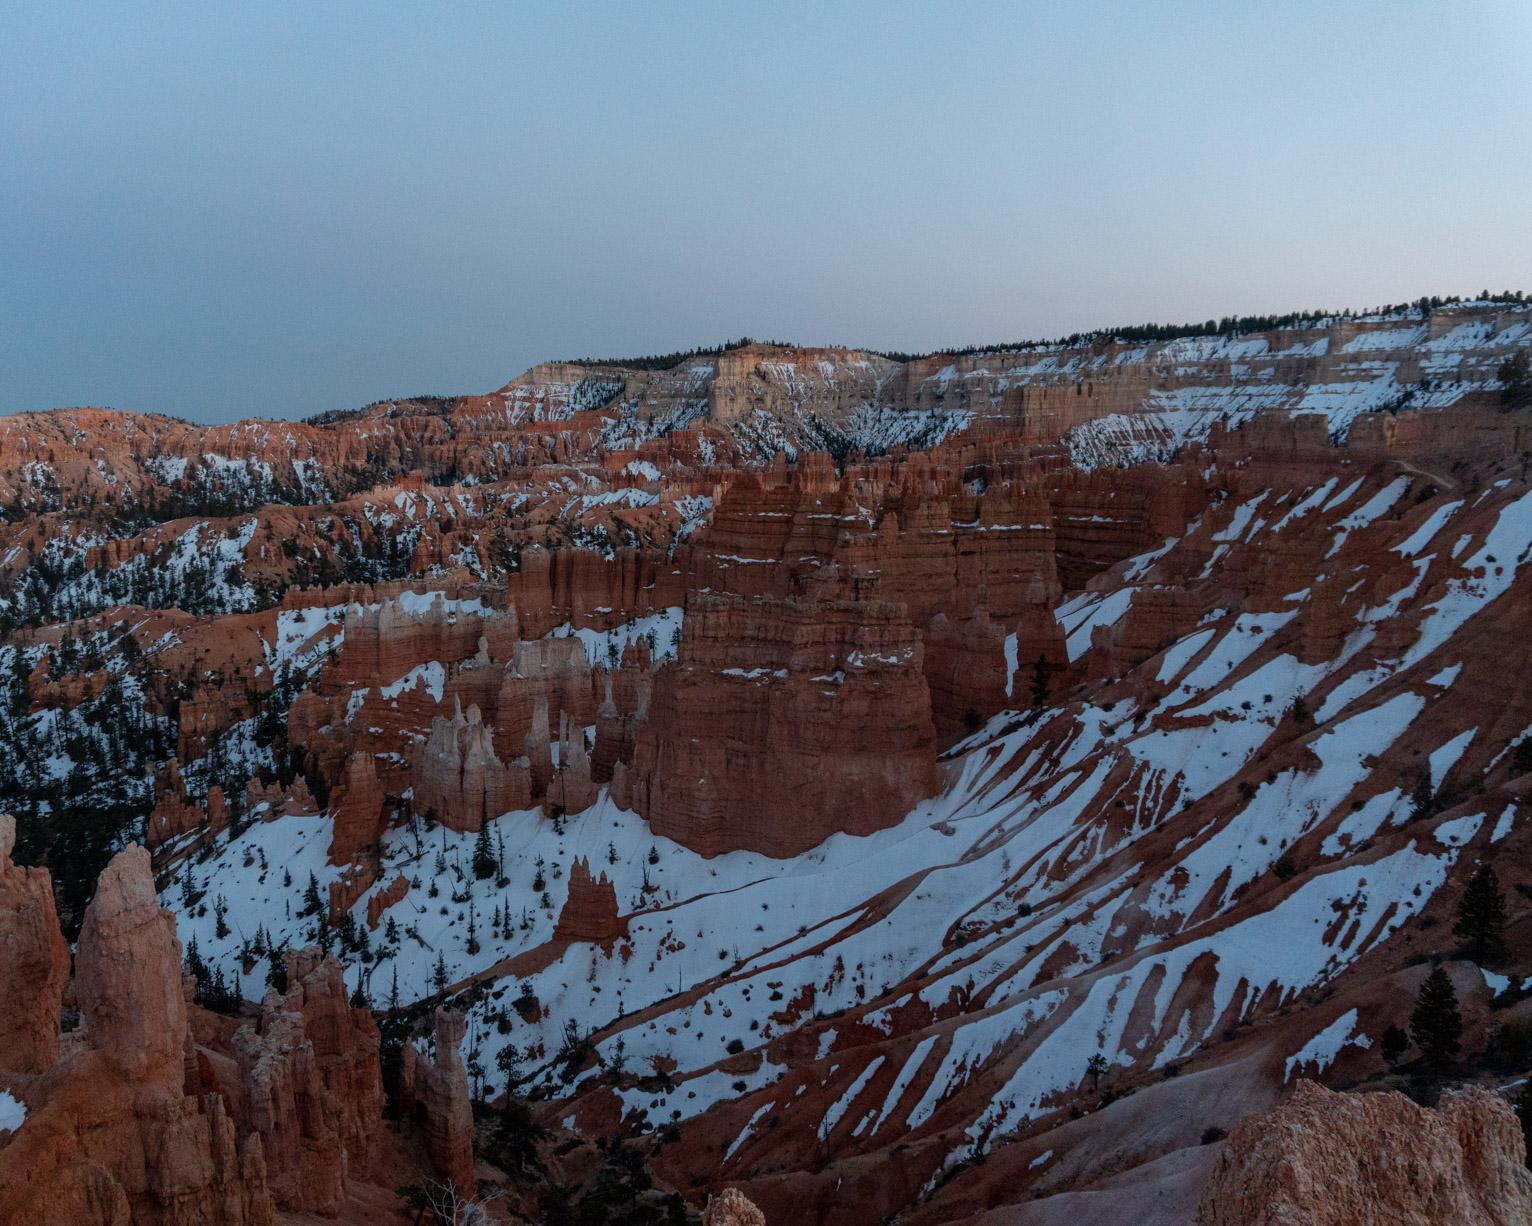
[
  {"x": 358, "y": 809},
  {"x": 1372, "y": 1160},
  {"x": 128, "y": 975},
  {"x": 732, "y": 1208},
  {"x": 381, "y": 902},
  {"x": 314, "y": 1089},
  {"x": 590, "y": 911},
  {"x": 458, "y": 778},
  {"x": 438, "y": 1092},
  {"x": 785, "y": 722},
  {"x": 34, "y": 963},
  {"x": 110, "y": 1136},
  {"x": 570, "y": 788}
]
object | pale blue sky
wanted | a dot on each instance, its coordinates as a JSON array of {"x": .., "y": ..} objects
[{"x": 224, "y": 210}]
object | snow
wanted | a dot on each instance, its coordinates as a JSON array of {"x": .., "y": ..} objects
[
  {"x": 1178, "y": 656},
  {"x": 1445, "y": 758},
  {"x": 1423, "y": 535},
  {"x": 1361, "y": 825},
  {"x": 902, "y": 1082},
  {"x": 1085, "y": 614},
  {"x": 1446, "y": 677},
  {"x": 13, "y": 1113},
  {"x": 1321, "y": 1051},
  {"x": 433, "y": 675},
  {"x": 603, "y": 647},
  {"x": 838, "y": 1108},
  {"x": 1504, "y": 824},
  {"x": 1459, "y": 830}
]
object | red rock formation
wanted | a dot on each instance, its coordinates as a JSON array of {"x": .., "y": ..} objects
[
  {"x": 354, "y": 882},
  {"x": 731, "y": 1208},
  {"x": 570, "y": 790},
  {"x": 784, "y": 722},
  {"x": 314, "y": 1089},
  {"x": 590, "y": 911},
  {"x": 1372, "y": 1160},
  {"x": 128, "y": 975},
  {"x": 386, "y": 898},
  {"x": 109, "y": 1136},
  {"x": 458, "y": 779},
  {"x": 173, "y": 814},
  {"x": 357, "y": 806},
  {"x": 438, "y": 1092},
  {"x": 34, "y": 963}
]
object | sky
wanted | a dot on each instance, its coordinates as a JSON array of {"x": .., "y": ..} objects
[{"x": 220, "y": 211}]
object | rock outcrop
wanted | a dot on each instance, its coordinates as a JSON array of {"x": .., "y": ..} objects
[
  {"x": 312, "y": 1084},
  {"x": 110, "y": 1136},
  {"x": 458, "y": 779},
  {"x": 783, "y": 722},
  {"x": 590, "y": 911},
  {"x": 436, "y": 1090},
  {"x": 357, "y": 808},
  {"x": 1372, "y": 1160},
  {"x": 731, "y": 1207},
  {"x": 34, "y": 963}
]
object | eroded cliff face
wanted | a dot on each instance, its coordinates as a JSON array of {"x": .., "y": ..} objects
[
  {"x": 34, "y": 963},
  {"x": 110, "y": 1136},
  {"x": 1371, "y": 1160},
  {"x": 149, "y": 1115},
  {"x": 783, "y": 722}
]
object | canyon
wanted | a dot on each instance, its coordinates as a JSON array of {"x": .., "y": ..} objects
[{"x": 998, "y": 786}]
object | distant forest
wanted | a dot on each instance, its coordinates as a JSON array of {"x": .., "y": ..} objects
[{"x": 1228, "y": 326}]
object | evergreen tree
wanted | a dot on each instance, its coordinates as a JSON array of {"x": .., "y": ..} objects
[
  {"x": 439, "y": 975},
  {"x": 194, "y": 962},
  {"x": 1436, "y": 1025},
  {"x": 1515, "y": 385},
  {"x": 1095, "y": 1066},
  {"x": 1042, "y": 678},
  {"x": 1395, "y": 1041},
  {"x": 1481, "y": 916},
  {"x": 312, "y": 904},
  {"x": 393, "y": 993},
  {"x": 1422, "y": 797},
  {"x": 1301, "y": 711},
  {"x": 483, "y": 856},
  {"x": 1521, "y": 759},
  {"x": 276, "y": 971}
]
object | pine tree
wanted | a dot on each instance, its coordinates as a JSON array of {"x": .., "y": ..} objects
[
  {"x": 312, "y": 904},
  {"x": 439, "y": 975},
  {"x": 1095, "y": 1066},
  {"x": 194, "y": 962},
  {"x": 393, "y": 993},
  {"x": 1481, "y": 916},
  {"x": 1395, "y": 1041},
  {"x": 1521, "y": 759},
  {"x": 483, "y": 856},
  {"x": 1042, "y": 678},
  {"x": 1436, "y": 1025},
  {"x": 1422, "y": 797}
]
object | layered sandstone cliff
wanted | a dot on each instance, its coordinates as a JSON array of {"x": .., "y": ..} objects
[{"x": 1372, "y": 1160}]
